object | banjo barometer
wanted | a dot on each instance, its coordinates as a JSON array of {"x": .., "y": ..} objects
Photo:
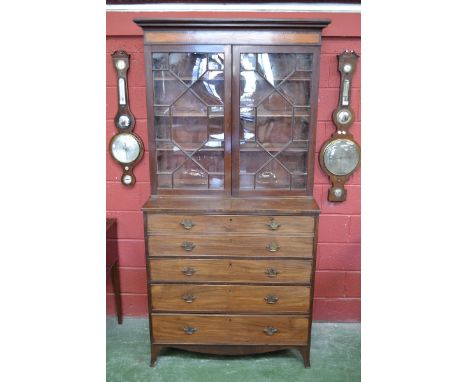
[
  {"x": 340, "y": 155},
  {"x": 126, "y": 148}
]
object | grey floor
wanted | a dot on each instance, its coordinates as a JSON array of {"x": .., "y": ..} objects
[{"x": 335, "y": 356}]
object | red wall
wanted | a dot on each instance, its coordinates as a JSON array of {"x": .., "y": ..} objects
[{"x": 337, "y": 288}]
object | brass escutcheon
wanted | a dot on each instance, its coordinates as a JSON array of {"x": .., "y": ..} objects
[
  {"x": 187, "y": 245},
  {"x": 273, "y": 247},
  {"x": 189, "y": 298},
  {"x": 190, "y": 330},
  {"x": 187, "y": 224},
  {"x": 188, "y": 271},
  {"x": 273, "y": 225},
  {"x": 270, "y": 330},
  {"x": 271, "y": 272},
  {"x": 271, "y": 299}
]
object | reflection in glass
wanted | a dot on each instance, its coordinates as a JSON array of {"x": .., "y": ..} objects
[
  {"x": 160, "y": 61},
  {"x": 216, "y": 181},
  {"x": 275, "y": 66},
  {"x": 294, "y": 161},
  {"x": 216, "y": 61},
  {"x": 248, "y": 61},
  {"x": 216, "y": 124},
  {"x": 247, "y": 124},
  {"x": 214, "y": 144},
  {"x": 189, "y": 120},
  {"x": 162, "y": 122},
  {"x": 296, "y": 91},
  {"x": 189, "y": 132},
  {"x": 166, "y": 87},
  {"x": 273, "y": 175},
  {"x": 304, "y": 61},
  {"x": 299, "y": 182},
  {"x": 273, "y": 132},
  {"x": 169, "y": 159},
  {"x": 298, "y": 145},
  {"x": 189, "y": 104},
  {"x": 210, "y": 88},
  {"x": 274, "y": 120},
  {"x": 211, "y": 161},
  {"x": 254, "y": 88},
  {"x": 246, "y": 181},
  {"x": 188, "y": 66},
  {"x": 252, "y": 161},
  {"x": 190, "y": 175},
  {"x": 275, "y": 104},
  {"x": 301, "y": 124},
  {"x": 164, "y": 181}
]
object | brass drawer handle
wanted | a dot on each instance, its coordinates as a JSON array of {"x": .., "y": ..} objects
[
  {"x": 190, "y": 330},
  {"x": 188, "y": 246},
  {"x": 271, "y": 272},
  {"x": 273, "y": 225},
  {"x": 189, "y": 298},
  {"x": 187, "y": 224},
  {"x": 270, "y": 330},
  {"x": 271, "y": 299},
  {"x": 273, "y": 247},
  {"x": 188, "y": 271}
]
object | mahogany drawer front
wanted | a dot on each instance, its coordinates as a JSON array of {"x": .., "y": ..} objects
[
  {"x": 228, "y": 270},
  {"x": 230, "y": 298},
  {"x": 230, "y": 329},
  {"x": 217, "y": 245},
  {"x": 187, "y": 224}
]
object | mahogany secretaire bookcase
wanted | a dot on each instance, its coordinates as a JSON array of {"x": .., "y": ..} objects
[{"x": 231, "y": 225}]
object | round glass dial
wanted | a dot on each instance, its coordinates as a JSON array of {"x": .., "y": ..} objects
[
  {"x": 341, "y": 156},
  {"x": 338, "y": 192},
  {"x": 120, "y": 64},
  {"x": 125, "y": 148},
  {"x": 127, "y": 179},
  {"x": 124, "y": 121},
  {"x": 343, "y": 116},
  {"x": 347, "y": 68}
]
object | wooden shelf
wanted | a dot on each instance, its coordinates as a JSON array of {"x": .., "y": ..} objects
[
  {"x": 293, "y": 174},
  {"x": 251, "y": 146},
  {"x": 195, "y": 115},
  {"x": 279, "y": 115},
  {"x": 172, "y": 78},
  {"x": 275, "y": 149},
  {"x": 213, "y": 115},
  {"x": 190, "y": 147}
]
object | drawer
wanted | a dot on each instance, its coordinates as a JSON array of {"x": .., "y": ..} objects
[
  {"x": 170, "y": 224},
  {"x": 230, "y": 329},
  {"x": 230, "y": 298},
  {"x": 227, "y": 270},
  {"x": 198, "y": 245}
]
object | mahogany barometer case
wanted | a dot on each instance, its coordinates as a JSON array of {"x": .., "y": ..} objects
[{"x": 231, "y": 224}]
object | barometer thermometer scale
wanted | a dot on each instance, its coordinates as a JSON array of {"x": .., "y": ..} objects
[
  {"x": 340, "y": 155},
  {"x": 126, "y": 148}
]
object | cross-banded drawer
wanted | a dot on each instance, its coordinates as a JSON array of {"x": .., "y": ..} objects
[
  {"x": 238, "y": 245},
  {"x": 230, "y": 298},
  {"x": 187, "y": 224},
  {"x": 230, "y": 270},
  {"x": 229, "y": 329}
]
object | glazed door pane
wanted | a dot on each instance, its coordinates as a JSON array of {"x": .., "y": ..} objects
[
  {"x": 274, "y": 118},
  {"x": 188, "y": 94}
]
